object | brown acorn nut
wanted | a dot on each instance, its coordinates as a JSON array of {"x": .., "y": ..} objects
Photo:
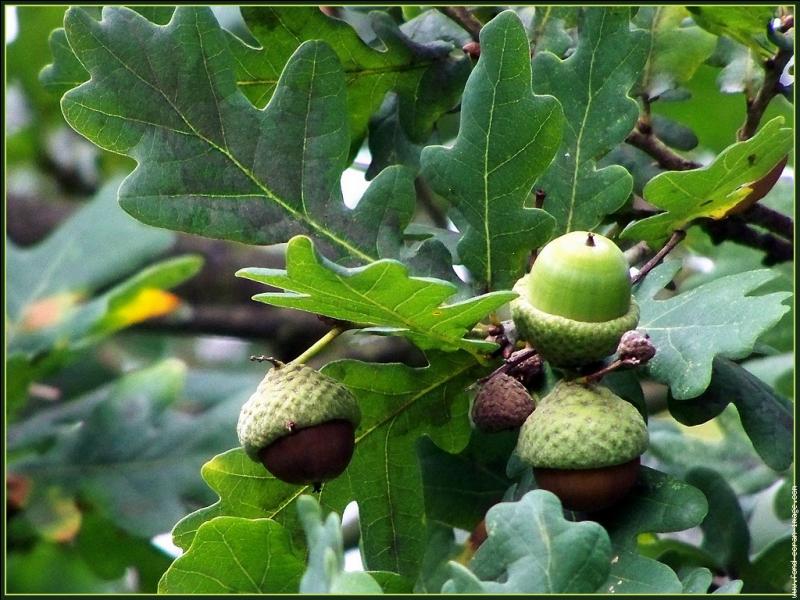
[
  {"x": 584, "y": 444},
  {"x": 300, "y": 424},
  {"x": 502, "y": 403}
]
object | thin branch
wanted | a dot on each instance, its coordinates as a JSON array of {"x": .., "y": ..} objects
[
  {"x": 522, "y": 356},
  {"x": 773, "y": 68},
  {"x": 598, "y": 375},
  {"x": 664, "y": 155},
  {"x": 735, "y": 229},
  {"x": 675, "y": 239},
  {"x": 462, "y": 16},
  {"x": 771, "y": 220}
]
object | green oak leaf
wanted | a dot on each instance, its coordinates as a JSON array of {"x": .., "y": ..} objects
[
  {"x": 718, "y": 318},
  {"x": 388, "y": 142},
  {"x": 66, "y": 71},
  {"x": 766, "y": 416},
  {"x": 53, "y": 308},
  {"x": 132, "y": 454},
  {"x": 657, "y": 503},
  {"x": 697, "y": 581},
  {"x": 712, "y": 191},
  {"x": 231, "y": 555},
  {"x": 380, "y": 294},
  {"x": 676, "y": 50},
  {"x": 427, "y": 79},
  {"x": 674, "y": 449},
  {"x": 726, "y": 535},
  {"x": 460, "y": 488},
  {"x": 770, "y": 571},
  {"x": 211, "y": 163},
  {"x": 592, "y": 86},
  {"x": 325, "y": 573},
  {"x": 531, "y": 548},
  {"x": 745, "y": 24},
  {"x": 399, "y": 404},
  {"x": 548, "y": 27},
  {"x": 507, "y": 138}
]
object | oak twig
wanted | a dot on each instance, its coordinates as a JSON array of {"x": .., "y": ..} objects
[
  {"x": 675, "y": 239},
  {"x": 736, "y": 229},
  {"x": 664, "y": 155},
  {"x": 773, "y": 68},
  {"x": 463, "y": 17},
  {"x": 769, "y": 219}
]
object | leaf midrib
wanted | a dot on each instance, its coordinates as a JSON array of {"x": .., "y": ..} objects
[{"x": 228, "y": 154}]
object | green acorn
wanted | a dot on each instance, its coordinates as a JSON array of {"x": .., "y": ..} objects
[
  {"x": 584, "y": 444},
  {"x": 576, "y": 302},
  {"x": 300, "y": 424}
]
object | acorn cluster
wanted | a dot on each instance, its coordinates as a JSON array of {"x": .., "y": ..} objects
[
  {"x": 583, "y": 442},
  {"x": 575, "y": 308}
]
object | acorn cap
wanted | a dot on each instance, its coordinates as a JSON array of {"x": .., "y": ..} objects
[
  {"x": 580, "y": 426},
  {"x": 567, "y": 342},
  {"x": 291, "y": 397},
  {"x": 502, "y": 403}
]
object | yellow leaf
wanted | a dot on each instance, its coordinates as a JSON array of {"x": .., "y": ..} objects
[{"x": 147, "y": 303}]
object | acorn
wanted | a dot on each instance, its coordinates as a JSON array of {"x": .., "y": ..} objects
[
  {"x": 300, "y": 424},
  {"x": 576, "y": 302},
  {"x": 584, "y": 444},
  {"x": 502, "y": 403}
]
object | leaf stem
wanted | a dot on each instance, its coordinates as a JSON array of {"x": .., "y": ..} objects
[
  {"x": 318, "y": 346},
  {"x": 675, "y": 239},
  {"x": 463, "y": 17}
]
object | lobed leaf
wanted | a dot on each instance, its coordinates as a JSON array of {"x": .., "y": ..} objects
[
  {"x": 712, "y": 191},
  {"x": 507, "y": 137},
  {"x": 592, "y": 86},
  {"x": 658, "y": 503},
  {"x": 426, "y": 77},
  {"x": 126, "y": 450},
  {"x": 766, "y": 416},
  {"x": 718, "y": 318},
  {"x": 380, "y": 294},
  {"x": 208, "y": 161},
  {"x": 676, "y": 50},
  {"x": 532, "y": 548},
  {"x": 230, "y": 555}
]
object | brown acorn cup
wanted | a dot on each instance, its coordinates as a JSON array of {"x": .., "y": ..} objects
[
  {"x": 311, "y": 455},
  {"x": 589, "y": 490}
]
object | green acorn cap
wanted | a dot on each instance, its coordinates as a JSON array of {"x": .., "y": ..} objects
[
  {"x": 292, "y": 397},
  {"x": 567, "y": 342},
  {"x": 579, "y": 426}
]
